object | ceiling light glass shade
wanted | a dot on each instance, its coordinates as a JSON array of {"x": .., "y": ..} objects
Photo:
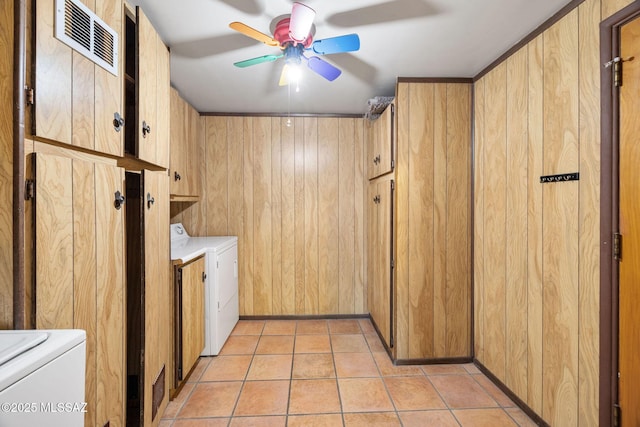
[{"x": 301, "y": 21}]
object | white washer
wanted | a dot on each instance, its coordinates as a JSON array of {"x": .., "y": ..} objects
[
  {"x": 221, "y": 285},
  {"x": 42, "y": 375}
]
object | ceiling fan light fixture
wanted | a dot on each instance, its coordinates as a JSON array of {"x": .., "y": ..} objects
[{"x": 301, "y": 20}]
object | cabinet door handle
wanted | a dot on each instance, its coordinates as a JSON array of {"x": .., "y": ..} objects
[
  {"x": 150, "y": 200},
  {"x": 204, "y": 276},
  {"x": 119, "y": 200},
  {"x": 146, "y": 129},
  {"x": 176, "y": 176},
  {"x": 376, "y": 159},
  {"x": 118, "y": 121}
]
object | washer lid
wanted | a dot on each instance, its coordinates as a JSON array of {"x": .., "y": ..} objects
[{"x": 15, "y": 343}]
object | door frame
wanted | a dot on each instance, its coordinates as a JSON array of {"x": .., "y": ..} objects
[{"x": 609, "y": 210}]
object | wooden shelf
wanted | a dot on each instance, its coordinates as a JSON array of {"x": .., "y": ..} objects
[{"x": 179, "y": 198}]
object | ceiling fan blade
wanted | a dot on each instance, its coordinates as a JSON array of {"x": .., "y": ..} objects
[
  {"x": 346, "y": 43},
  {"x": 258, "y": 60},
  {"x": 254, "y": 34},
  {"x": 323, "y": 68},
  {"x": 301, "y": 21}
]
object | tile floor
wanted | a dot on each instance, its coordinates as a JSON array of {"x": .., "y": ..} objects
[{"x": 331, "y": 373}]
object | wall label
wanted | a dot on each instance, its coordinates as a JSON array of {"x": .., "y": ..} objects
[{"x": 575, "y": 176}]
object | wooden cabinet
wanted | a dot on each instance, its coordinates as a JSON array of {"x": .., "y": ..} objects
[
  {"x": 152, "y": 82},
  {"x": 186, "y": 136},
  {"x": 380, "y": 144},
  {"x": 78, "y": 266},
  {"x": 75, "y": 100},
  {"x": 189, "y": 282},
  {"x": 419, "y": 273},
  {"x": 380, "y": 256},
  {"x": 148, "y": 295}
]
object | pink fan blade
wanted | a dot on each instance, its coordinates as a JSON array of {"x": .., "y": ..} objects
[{"x": 301, "y": 21}]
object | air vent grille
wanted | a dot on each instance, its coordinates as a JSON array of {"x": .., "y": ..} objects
[{"x": 79, "y": 28}]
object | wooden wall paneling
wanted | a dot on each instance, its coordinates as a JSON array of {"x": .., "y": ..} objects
[
  {"x": 288, "y": 217},
  {"x": 345, "y": 163},
  {"x": 299, "y": 206},
  {"x": 53, "y": 79},
  {"x": 110, "y": 404},
  {"x": 328, "y": 190},
  {"x": 146, "y": 87},
  {"x": 198, "y": 210},
  {"x": 479, "y": 218},
  {"x": 163, "y": 105},
  {"x": 262, "y": 234},
  {"x": 276, "y": 214},
  {"x": 495, "y": 237},
  {"x": 437, "y": 177},
  {"x": 516, "y": 223},
  {"x": 84, "y": 272},
  {"x": 192, "y": 149},
  {"x": 609, "y": 7},
  {"x": 402, "y": 223},
  {"x": 458, "y": 238},
  {"x": 216, "y": 195},
  {"x": 310, "y": 133},
  {"x": 589, "y": 213},
  {"x": 246, "y": 304},
  {"x": 421, "y": 219},
  {"x": 235, "y": 156},
  {"x": 83, "y": 101},
  {"x": 6, "y": 168},
  {"x": 108, "y": 88},
  {"x": 534, "y": 224},
  {"x": 560, "y": 232},
  {"x": 54, "y": 243},
  {"x": 360, "y": 219}
]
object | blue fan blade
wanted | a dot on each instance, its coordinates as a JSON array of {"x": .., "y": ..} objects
[
  {"x": 347, "y": 43},
  {"x": 258, "y": 60},
  {"x": 323, "y": 68}
]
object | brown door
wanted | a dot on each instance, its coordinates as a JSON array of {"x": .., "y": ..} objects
[{"x": 629, "y": 286}]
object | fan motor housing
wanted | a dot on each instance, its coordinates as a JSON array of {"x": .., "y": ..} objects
[{"x": 281, "y": 33}]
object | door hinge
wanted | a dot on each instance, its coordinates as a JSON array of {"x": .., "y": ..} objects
[
  {"x": 616, "y": 415},
  {"x": 617, "y": 246},
  {"x": 29, "y": 95},
  {"x": 29, "y": 189},
  {"x": 616, "y": 63}
]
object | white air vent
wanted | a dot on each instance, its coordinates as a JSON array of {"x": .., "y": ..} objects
[{"x": 79, "y": 28}]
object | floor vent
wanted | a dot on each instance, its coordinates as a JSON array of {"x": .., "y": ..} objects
[{"x": 79, "y": 28}]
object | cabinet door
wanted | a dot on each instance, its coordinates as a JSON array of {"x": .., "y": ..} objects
[
  {"x": 111, "y": 324},
  {"x": 379, "y": 253},
  {"x": 178, "y": 143},
  {"x": 381, "y": 144},
  {"x": 163, "y": 107},
  {"x": 156, "y": 293},
  {"x": 192, "y": 313},
  {"x": 146, "y": 87},
  {"x": 75, "y": 99},
  {"x": 78, "y": 270}
]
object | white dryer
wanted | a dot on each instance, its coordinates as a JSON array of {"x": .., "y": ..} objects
[{"x": 221, "y": 305}]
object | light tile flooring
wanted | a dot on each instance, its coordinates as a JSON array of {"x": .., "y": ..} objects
[{"x": 331, "y": 373}]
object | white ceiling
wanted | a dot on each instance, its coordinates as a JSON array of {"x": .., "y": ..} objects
[{"x": 399, "y": 38}]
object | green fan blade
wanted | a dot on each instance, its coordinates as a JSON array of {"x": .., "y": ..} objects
[{"x": 258, "y": 60}]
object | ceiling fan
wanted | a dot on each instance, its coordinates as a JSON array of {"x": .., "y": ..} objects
[{"x": 293, "y": 36}]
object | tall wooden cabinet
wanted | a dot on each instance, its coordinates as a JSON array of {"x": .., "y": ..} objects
[
  {"x": 79, "y": 275},
  {"x": 429, "y": 226}
]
